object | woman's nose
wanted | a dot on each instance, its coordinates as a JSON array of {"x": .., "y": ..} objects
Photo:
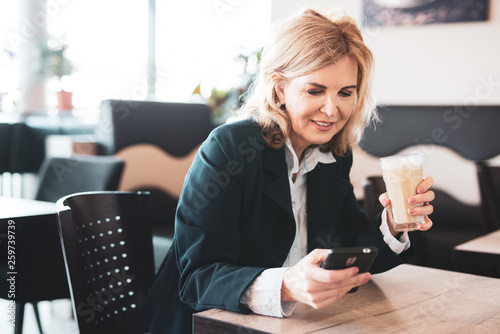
[{"x": 329, "y": 107}]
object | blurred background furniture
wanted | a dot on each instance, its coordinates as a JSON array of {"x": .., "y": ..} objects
[
  {"x": 373, "y": 187},
  {"x": 158, "y": 142},
  {"x": 38, "y": 266},
  {"x": 23, "y": 149},
  {"x": 38, "y": 248},
  {"x": 28, "y": 138},
  {"x": 451, "y": 139},
  {"x": 470, "y": 131},
  {"x": 434, "y": 247},
  {"x": 59, "y": 177},
  {"x": 489, "y": 185},
  {"x": 484, "y": 251},
  {"x": 4, "y": 148},
  {"x": 106, "y": 238}
]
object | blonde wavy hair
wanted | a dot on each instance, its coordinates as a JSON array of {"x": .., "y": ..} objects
[{"x": 299, "y": 46}]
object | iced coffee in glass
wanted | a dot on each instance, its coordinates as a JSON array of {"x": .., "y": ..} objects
[{"x": 402, "y": 174}]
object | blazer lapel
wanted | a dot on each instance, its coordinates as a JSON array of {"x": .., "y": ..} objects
[
  {"x": 276, "y": 185},
  {"x": 325, "y": 196}
]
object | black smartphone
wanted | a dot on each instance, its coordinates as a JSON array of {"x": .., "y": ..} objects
[{"x": 341, "y": 258}]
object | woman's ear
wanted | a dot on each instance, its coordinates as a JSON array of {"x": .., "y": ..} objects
[{"x": 279, "y": 86}]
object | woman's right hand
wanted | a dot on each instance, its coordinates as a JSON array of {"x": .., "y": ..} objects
[{"x": 307, "y": 283}]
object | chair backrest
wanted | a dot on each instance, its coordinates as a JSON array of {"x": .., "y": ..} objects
[
  {"x": 373, "y": 187},
  {"x": 5, "y": 130},
  {"x": 63, "y": 176},
  {"x": 176, "y": 128},
  {"x": 489, "y": 187},
  {"x": 107, "y": 245}
]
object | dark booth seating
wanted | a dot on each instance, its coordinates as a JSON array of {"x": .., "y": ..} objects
[
  {"x": 22, "y": 148},
  {"x": 27, "y": 140},
  {"x": 157, "y": 141},
  {"x": 467, "y": 130},
  {"x": 471, "y": 131},
  {"x": 176, "y": 128}
]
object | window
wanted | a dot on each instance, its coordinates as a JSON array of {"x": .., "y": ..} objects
[
  {"x": 197, "y": 42},
  {"x": 9, "y": 30},
  {"x": 107, "y": 45}
]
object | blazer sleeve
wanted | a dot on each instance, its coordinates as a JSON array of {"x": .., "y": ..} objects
[{"x": 207, "y": 228}]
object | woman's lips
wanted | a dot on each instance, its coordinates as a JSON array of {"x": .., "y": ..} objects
[{"x": 323, "y": 126}]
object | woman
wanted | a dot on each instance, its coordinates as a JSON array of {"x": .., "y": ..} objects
[{"x": 266, "y": 196}]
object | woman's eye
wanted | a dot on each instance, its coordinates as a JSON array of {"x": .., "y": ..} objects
[
  {"x": 314, "y": 92},
  {"x": 345, "y": 94}
]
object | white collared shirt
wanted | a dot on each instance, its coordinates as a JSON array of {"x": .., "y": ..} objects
[
  {"x": 264, "y": 295},
  {"x": 298, "y": 192}
]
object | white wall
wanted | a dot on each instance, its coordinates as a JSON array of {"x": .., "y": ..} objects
[{"x": 437, "y": 64}]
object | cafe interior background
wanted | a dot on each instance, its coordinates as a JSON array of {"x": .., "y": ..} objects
[{"x": 437, "y": 69}]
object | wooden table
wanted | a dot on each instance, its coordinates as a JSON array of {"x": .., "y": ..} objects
[
  {"x": 406, "y": 299},
  {"x": 484, "y": 250}
]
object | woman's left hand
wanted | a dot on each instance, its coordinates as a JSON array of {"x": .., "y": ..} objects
[{"x": 425, "y": 196}]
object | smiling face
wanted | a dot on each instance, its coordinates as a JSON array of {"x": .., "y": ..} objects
[{"x": 319, "y": 104}]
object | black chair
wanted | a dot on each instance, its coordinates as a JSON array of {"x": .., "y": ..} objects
[
  {"x": 41, "y": 258},
  {"x": 63, "y": 176},
  {"x": 5, "y": 130},
  {"x": 373, "y": 187},
  {"x": 489, "y": 186},
  {"x": 108, "y": 253}
]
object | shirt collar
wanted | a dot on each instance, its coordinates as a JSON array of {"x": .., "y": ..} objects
[{"x": 312, "y": 156}]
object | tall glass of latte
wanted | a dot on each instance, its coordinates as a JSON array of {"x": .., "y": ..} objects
[{"x": 402, "y": 174}]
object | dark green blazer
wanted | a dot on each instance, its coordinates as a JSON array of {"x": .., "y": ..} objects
[{"x": 235, "y": 219}]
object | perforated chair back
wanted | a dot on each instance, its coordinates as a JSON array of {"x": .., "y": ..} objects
[
  {"x": 489, "y": 186},
  {"x": 108, "y": 253}
]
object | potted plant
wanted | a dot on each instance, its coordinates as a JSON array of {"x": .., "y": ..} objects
[
  {"x": 222, "y": 102},
  {"x": 53, "y": 62}
]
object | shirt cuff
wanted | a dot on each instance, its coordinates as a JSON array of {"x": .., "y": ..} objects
[
  {"x": 396, "y": 245},
  {"x": 263, "y": 296}
]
